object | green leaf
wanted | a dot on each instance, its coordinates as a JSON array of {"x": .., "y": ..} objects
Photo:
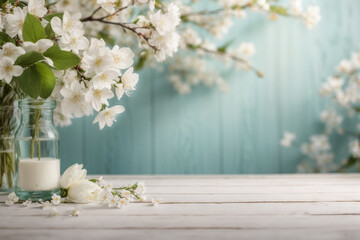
[
  {"x": 29, "y": 59},
  {"x": 50, "y": 16},
  {"x": 279, "y": 10},
  {"x": 225, "y": 46},
  {"x": 32, "y": 29},
  {"x": 141, "y": 62},
  {"x": 62, "y": 59},
  {"x": 49, "y": 32},
  {"x": 30, "y": 82},
  {"x": 350, "y": 162},
  {"x": 37, "y": 80},
  {"x": 47, "y": 79},
  {"x": 108, "y": 40},
  {"x": 4, "y": 38}
]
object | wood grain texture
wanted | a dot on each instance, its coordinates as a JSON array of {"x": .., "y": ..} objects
[
  {"x": 206, "y": 207},
  {"x": 208, "y": 132}
]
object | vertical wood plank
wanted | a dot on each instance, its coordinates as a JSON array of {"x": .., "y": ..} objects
[{"x": 186, "y": 130}]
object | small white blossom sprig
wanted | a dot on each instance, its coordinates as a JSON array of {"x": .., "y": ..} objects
[
  {"x": 78, "y": 189},
  {"x": 343, "y": 91},
  {"x": 120, "y": 196},
  {"x": 12, "y": 198}
]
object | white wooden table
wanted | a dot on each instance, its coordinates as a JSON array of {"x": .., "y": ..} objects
[{"x": 207, "y": 207}]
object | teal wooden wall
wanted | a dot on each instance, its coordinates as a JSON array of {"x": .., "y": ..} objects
[{"x": 208, "y": 132}]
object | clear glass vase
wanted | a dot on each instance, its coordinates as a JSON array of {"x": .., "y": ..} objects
[
  {"x": 8, "y": 124},
  {"x": 37, "y": 163}
]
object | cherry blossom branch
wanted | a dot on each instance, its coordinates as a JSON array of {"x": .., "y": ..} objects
[
  {"x": 91, "y": 15},
  {"x": 212, "y": 12},
  {"x": 124, "y": 26},
  {"x": 231, "y": 56}
]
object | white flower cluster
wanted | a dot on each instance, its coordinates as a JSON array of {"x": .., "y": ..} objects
[
  {"x": 80, "y": 91},
  {"x": 103, "y": 72},
  {"x": 187, "y": 70},
  {"x": 344, "y": 90},
  {"x": 156, "y": 29},
  {"x": 287, "y": 139},
  {"x": 319, "y": 150},
  {"x": 120, "y": 197}
]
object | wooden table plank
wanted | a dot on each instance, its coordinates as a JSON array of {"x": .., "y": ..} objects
[{"x": 207, "y": 207}]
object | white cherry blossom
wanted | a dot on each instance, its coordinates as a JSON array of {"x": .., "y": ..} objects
[
  {"x": 287, "y": 139},
  {"x": 74, "y": 40},
  {"x": 69, "y": 22},
  {"x": 37, "y": 8},
  {"x": 98, "y": 97},
  {"x": 8, "y": 70},
  {"x": 129, "y": 81},
  {"x": 123, "y": 57},
  {"x": 74, "y": 100},
  {"x": 105, "y": 79},
  {"x": 11, "y": 51},
  {"x": 108, "y": 116},
  {"x": 15, "y": 21}
]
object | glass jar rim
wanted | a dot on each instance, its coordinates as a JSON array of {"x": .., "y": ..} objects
[{"x": 37, "y": 103}]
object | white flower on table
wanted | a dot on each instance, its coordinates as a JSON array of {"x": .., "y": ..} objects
[
  {"x": 37, "y": 8},
  {"x": 84, "y": 191},
  {"x": 126, "y": 194},
  {"x": 12, "y": 198},
  {"x": 140, "y": 189},
  {"x": 8, "y": 70},
  {"x": 73, "y": 174},
  {"x": 27, "y": 203},
  {"x": 75, "y": 212},
  {"x": 56, "y": 199},
  {"x": 11, "y": 50},
  {"x": 15, "y": 21},
  {"x": 155, "y": 202},
  {"x": 106, "y": 195},
  {"x": 287, "y": 139},
  {"x": 112, "y": 201},
  {"x": 121, "y": 203},
  {"x": 53, "y": 211},
  {"x": 46, "y": 205},
  {"x": 108, "y": 116}
]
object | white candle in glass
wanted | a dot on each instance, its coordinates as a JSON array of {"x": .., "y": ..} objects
[{"x": 39, "y": 175}]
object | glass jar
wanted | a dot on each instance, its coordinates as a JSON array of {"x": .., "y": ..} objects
[
  {"x": 8, "y": 124},
  {"x": 37, "y": 163}
]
